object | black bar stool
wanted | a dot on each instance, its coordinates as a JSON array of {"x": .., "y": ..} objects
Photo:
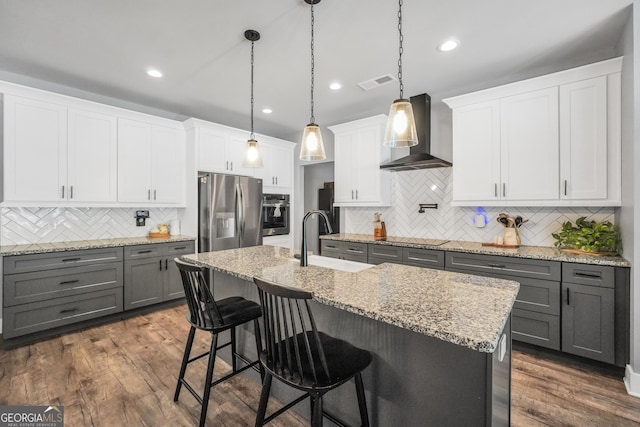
[
  {"x": 301, "y": 357},
  {"x": 212, "y": 316}
]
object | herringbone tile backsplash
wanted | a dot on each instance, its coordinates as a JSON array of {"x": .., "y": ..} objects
[
  {"x": 45, "y": 225},
  {"x": 410, "y": 188}
]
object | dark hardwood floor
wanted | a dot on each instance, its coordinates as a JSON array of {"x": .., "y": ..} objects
[{"x": 124, "y": 373}]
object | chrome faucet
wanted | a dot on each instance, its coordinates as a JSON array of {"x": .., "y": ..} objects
[{"x": 327, "y": 226}]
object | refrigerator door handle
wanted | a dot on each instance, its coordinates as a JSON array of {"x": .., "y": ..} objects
[
  {"x": 238, "y": 214},
  {"x": 243, "y": 212}
]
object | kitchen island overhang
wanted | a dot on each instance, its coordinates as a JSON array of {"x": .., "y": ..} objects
[{"x": 441, "y": 341}]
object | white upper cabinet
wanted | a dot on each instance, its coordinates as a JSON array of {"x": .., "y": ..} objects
[
  {"x": 92, "y": 157},
  {"x": 277, "y": 158},
  {"x": 35, "y": 150},
  {"x": 219, "y": 148},
  {"x": 583, "y": 166},
  {"x": 549, "y": 141},
  {"x": 358, "y": 154},
  {"x": 58, "y": 155},
  {"x": 150, "y": 163},
  {"x": 529, "y": 146}
]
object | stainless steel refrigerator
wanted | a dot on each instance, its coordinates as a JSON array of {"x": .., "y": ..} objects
[{"x": 229, "y": 212}]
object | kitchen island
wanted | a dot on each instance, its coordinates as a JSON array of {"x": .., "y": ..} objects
[{"x": 441, "y": 341}]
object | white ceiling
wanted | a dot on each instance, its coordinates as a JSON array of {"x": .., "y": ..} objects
[{"x": 104, "y": 46}]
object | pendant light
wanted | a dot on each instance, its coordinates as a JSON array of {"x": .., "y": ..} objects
[
  {"x": 252, "y": 157},
  {"x": 401, "y": 125},
  {"x": 312, "y": 147}
]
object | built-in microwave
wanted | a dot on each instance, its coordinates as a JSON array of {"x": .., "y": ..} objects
[{"x": 275, "y": 214}]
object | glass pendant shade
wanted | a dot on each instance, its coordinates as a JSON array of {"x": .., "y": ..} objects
[
  {"x": 401, "y": 125},
  {"x": 312, "y": 147},
  {"x": 252, "y": 157}
]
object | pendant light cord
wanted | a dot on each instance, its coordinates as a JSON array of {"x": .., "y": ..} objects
[
  {"x": 253, "y": 136},
  {"x": 313, "y": 119},
  {"x": 400, "y": 50}
]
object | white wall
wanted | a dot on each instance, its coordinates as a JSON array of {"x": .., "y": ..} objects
[{"x": 629, "y": 216}]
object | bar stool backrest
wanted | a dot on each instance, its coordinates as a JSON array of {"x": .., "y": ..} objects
[
  {"x": 202, "y": 307},
  {"x": 293, "y": 347}
]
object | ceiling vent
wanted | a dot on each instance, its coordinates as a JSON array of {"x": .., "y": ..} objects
[{"x": 378, "y": 81}]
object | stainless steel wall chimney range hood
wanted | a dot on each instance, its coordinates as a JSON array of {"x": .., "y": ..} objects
[{"x": 419, "y": 157}]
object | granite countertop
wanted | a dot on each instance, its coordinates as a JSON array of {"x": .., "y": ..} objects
[
  {"x": 462, "y": 309},
  {"x": 532, "y": 252},
  {"x": 86, "y": 244}
]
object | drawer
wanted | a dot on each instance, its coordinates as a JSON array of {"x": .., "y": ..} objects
[
  {"x": 44, "y": 285},
  {"x": 521, "y": 267},
  {"x": 354, "y": 249},
  {"x": 423, "y": 258},
  {"x": 38, "y": 316},
  {"x": 377, "y": 254},
  {"x": 536, "y": 328},
  {"x": 541, "y": 296},
  {"x": 143, "y": 251},
  {"x": 49, "y": 261},
  {"x": 330, "y": 248},
  {"x": 179, "y": 248},
  {"x": 585, "y": 274}
]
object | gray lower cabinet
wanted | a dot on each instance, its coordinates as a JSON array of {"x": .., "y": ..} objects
[
  {"x": 150, "y": 274},
  {"x": 536, "y": 312},
  {"x": 351, "y": 251},
  {"x": 588, "y": 312},
  {"x": 46, "y": 291}
]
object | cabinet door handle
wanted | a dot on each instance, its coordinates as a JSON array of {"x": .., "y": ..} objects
[
  {"x": 351, "y": 194},
  {"x": 71, "y": 259},
  {"x": 589, "y": 275},
  {"x": 68, "y": 282},
  {"x": 148, "y": 251},
  {"x": 495, "y": 189},
  {"x": 497, "y": 265},
  {"x": 160, "y": 265},
  {"x": 149, "y": 194},
  {"x": 71, "y": 192},
  {"x": 166, "y": 264},
  {"x": 62, "y": 197},
  {"x": 356, "y": 194},
  {"x": 565, "y": 187},
  {"x": 69, "y": 310},
  {"x": 568, "y": 296},
  {"x": 504, "y": 189},
  {"x": 154, "y": 194},
  {"x": 231, "y": 165},
  {"x": 276, "y": 180}
]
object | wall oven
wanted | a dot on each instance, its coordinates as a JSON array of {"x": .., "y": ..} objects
[{"x": 275, "y": 214}]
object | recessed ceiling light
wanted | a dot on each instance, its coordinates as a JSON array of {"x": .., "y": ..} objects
[
  {"x": 154, "y": 73},
  {"x": 335, "y": 86},
  {"x": 448, "y": 45},
  {"x": 267, "y": 110}
]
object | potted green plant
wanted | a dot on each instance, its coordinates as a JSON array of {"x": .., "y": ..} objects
[{"x": 591, "y": 237}]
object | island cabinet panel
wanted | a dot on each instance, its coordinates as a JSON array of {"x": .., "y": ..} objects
[
  {"x": 536, "y": 313},
  {"x": 414, "y": 379},
  {"x": 46, "y": 291},
  {"x": 150, "y": 274}
]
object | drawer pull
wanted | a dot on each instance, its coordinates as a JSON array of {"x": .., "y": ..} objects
[
  {"x": 180, "y": 248},
  {"x": 589, "y": 275},
  {"x": 358, "y": 251},
  {"x": 331, "y": 247},
  {"x": 71, "y": 259},
  {"x": 69, "y": 310},
  {"x": 67, "y": 282},
  {"x": 497, "y": 265},
  {"x": 148, "y": 251}
]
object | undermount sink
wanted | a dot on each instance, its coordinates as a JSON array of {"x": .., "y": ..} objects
[{"x": 335, "y": 264}]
